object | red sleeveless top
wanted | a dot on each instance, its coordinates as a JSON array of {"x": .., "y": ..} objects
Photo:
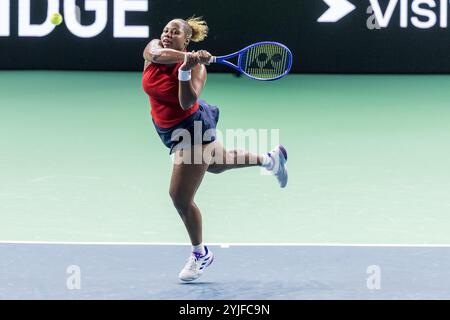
[{"x": 160, "y": 82}]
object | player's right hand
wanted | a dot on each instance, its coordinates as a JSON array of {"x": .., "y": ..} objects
[
  {"x": 191, "y": 59},
  {"x": 204, "y": 56}
]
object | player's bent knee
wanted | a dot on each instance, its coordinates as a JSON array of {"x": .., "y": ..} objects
[
  {"x": 180, "y": 201},
  {"x": 183, "y": 207}
]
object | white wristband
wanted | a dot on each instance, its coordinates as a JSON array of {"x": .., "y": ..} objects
[{"x": 184, "y": 75}]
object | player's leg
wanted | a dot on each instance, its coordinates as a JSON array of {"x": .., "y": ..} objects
[
  {"x": 186, "y": 178},
  {"x": 223, "y": 160},
  {"x": 274, "y": 161}
]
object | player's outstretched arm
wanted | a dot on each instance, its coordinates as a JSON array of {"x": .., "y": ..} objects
[{"x": 154, "y": 52}]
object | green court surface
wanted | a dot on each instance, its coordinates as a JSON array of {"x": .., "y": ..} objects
[{"x": 368, "y": 161}]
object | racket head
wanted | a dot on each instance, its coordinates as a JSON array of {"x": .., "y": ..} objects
[{"x": 265, "y": 61}]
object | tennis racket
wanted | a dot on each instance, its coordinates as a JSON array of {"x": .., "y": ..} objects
[{"x": 264, "y": 61}]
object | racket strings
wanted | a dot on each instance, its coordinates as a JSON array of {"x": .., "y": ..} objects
[{"x": 266, "y": 61}]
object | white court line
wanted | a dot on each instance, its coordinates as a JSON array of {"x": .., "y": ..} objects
[{"x": 225, "y": 245}]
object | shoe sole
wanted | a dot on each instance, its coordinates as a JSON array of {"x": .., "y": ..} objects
[{"x": 283, "y": 150}]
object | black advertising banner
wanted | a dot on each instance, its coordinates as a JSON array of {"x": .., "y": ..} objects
[{"x": 334, "y": 36}]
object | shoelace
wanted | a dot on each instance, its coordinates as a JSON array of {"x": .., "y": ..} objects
[{"x": 192, "y": 262}]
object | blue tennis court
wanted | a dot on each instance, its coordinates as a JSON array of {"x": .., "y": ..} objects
[{"x": 102, "y": 271}]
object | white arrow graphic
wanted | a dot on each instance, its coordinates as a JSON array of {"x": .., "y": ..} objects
[{"x": 336, "y": 11}]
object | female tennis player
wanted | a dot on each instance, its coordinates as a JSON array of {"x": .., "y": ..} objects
[{"x": 174, "y": 79}]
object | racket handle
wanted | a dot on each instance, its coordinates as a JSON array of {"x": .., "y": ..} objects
[{"x": 212, "y": 60}]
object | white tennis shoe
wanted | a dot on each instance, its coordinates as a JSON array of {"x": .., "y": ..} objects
[
  {"x": 196, "y": 265},
  {"x": 278, "y": 166}
]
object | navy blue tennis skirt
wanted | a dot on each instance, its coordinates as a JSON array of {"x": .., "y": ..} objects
[{"x": 203, "y": 120}]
